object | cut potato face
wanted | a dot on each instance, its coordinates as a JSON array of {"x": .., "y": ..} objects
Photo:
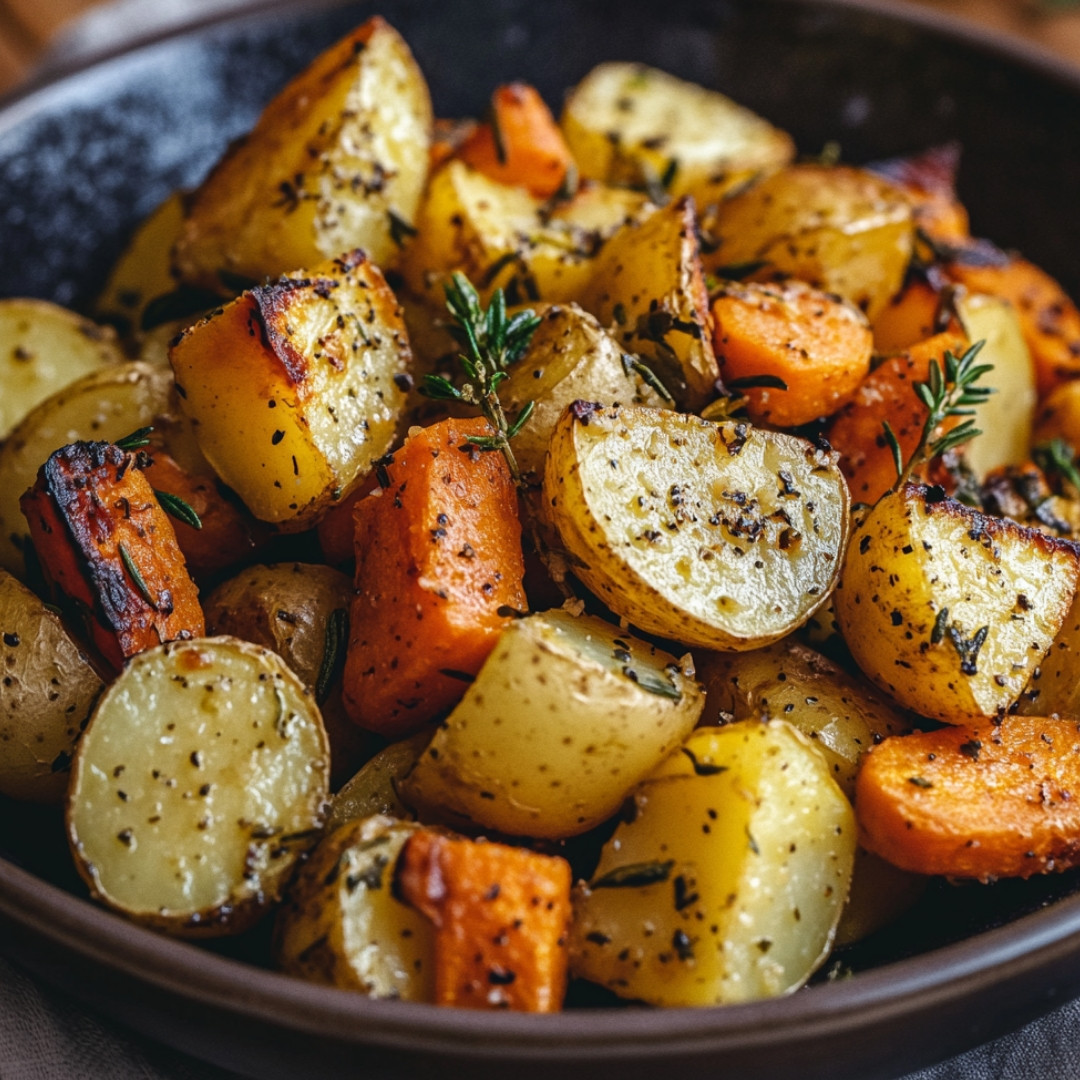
[
  {"x": 1054, "y": 688},
  {"x": 718, "y": 535},
  {"x": 949, "y": 610},
  {"x": 311, "y": 391},
  {"x": 840, "y": 229},
  {"x": 337, "y": 161},
  {"x": 631, "y": 124},
  {"x": 728, "y": 883},
  {"x": 43, "y": 348},
  {"x": 47, "y": 688},
  {"x": 565, "y": 716},
  {"x": 650, "y": 289},
  {"x": 199, "y": 782},
  {"x": 343, "y": 925}
]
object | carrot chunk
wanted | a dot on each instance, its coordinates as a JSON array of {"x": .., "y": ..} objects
[
  {"x": 815, "y": 344},
  {"x": 910, "y": 317},
  {"x": 501, "y": 916},
  {"x": 104, "y": 542},
  {"x": 438, "y": 565},
  {"x": 981, "y": 801},
  {"x": 929, "y": 182},
  {"x": 521, "y": 145},
  {"x": 886, "y": 394}
]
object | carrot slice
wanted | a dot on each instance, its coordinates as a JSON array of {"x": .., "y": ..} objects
[
  {"x": 886, "y": 394},
  {"x": 981, "y": 801},
  {"x": 438, "y": 565},
  {"x": 105, "y": 543},
  {"x": 817, "y": 345},
  {"x": 1049, "y": 320},
  {"x": 501, "y": 915},
  {"x": 521, "y": 145}
]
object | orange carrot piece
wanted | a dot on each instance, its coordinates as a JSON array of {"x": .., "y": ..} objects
[
  {"x": 447, "y": 139},
  {"x": 337, "y": 531},
  {"x": 908, "y": 318},
  {"x": 438, "y": 563},
  {"x": 886, "y": 394},
  {"x": 521, "y": 144},
  {"x": 929, "y": 182},
  {"x": 105, "y": 543},
  {"x": 982, "y": 801},
  {"x": 501, "y": 915},
  {"x": 1050, "y": 321},
  {"x": 818, "y": 345}
]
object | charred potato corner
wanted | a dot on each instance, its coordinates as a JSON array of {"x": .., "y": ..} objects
[{"x": 536, "y": 555}]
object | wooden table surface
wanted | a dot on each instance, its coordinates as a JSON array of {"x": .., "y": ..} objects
[{"x": 28, "y": 26}]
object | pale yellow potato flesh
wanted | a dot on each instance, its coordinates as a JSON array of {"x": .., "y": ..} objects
[
  {"x": 948, "y": 610},
  {"x": 749, "y": 844},
  {"x": 47, "y": 688},
  {"x": 565, "y": 716},
  {"x": 1054, "y": 687},
  {"x": 342, "y": 924},
  {"x": 200, "y": 780},
  {"x": 723, "y": 536}
]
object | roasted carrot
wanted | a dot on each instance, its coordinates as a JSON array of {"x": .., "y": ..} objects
[
  {"x": 501, "y": 916},
  {"x": 886, "y": 394},
  {"x": 910, "y": 317},
  {"x": 981, "y": 801},
  {"x": 447, "y": 139},
  {"x": 929, "y": 181},
  {"x": 815, "y": 346},
  {"x": 438, "y": 568},
  {"x": 104, "y": 543},
  {"x": 520, "y": 144},
  {"x": 1050, "y": 321}
]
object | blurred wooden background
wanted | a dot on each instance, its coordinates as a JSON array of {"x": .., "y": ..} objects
[{"x": 28, "y": 26}]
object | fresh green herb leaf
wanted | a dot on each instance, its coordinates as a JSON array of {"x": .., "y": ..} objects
[
  {"x": 1057, "y": 456},
  {"x": 136, "y": 576},
  {"x": 176, "y": 507},
  {"x": 633, "y": 363},
  {"x": 335, "y": 639},
  {"x": 135, "y": 441},
  {"x": 634, "y": 875}
]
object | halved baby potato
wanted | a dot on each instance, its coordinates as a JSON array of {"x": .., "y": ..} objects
[
  {"x": 723, "y": 536},
  {"x": 200, "y": 781}
]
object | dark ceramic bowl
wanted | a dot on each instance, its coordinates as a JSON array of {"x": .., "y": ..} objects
[{"x": 85, "y": 157}]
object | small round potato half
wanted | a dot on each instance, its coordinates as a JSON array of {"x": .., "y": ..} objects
[
  {"x": 723, "y": 536},
  {"x": 47, "y": 688},
  {"x": 202, "y": 777}
]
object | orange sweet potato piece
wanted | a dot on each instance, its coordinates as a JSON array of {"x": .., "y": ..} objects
[
  {"x": 438, "y": 561},
  {"x": 981, "y": 801},
  {"x": 105, "y": 543},
  {"x": 521, "y": 145},
  {"x": 818, "y": 345},
  {"x": 501, "y": 916},
  {"x": 1049, "y": 320},
  {"x": 886, "y": 394}
]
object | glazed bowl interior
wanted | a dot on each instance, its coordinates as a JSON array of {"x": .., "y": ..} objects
[{"x": 85, "y": 157}]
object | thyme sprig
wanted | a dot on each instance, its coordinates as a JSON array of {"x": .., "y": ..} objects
[
  {"x": 947, "y": 393},
  {"x": 491, "y": 342}
]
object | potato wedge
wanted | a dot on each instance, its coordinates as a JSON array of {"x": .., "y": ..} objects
[
  {"x": 982, "y": 800},
  {"x": 841, "y": 229},
  {"x": 47, "y": 689},
  {"x": 728, "y": 883},
  {"x": 565, "y": 716},
  {"x": 343, "y": 925},
  {"x": 44, "y": 348},
  {"x": 949, "y": 610},
  {"x": 632, "y": 124},
  {"x": 648, "y": 286},
  {"x": 1054, "y": 688},
  {"x": 718, "y": 535},
  {"x": 199, "y": 782},
  {"x": 337, "y": 161},
  {"x": 310, "y": 395}
]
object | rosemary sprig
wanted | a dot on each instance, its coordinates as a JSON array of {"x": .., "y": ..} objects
[
  {"x": 176, "y": 507},
  {"x": 135, "y": 441},
  {"x": 945, "y": 394},
  {"x": 136, "y": 577},
  {"x": 491, "y": 343},
  {"x": 1056, "y": 456}
]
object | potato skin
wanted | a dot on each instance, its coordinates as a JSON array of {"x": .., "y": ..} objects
[
  {"x": 949, "y": 610},
  {"x": 47, "y": 689}
]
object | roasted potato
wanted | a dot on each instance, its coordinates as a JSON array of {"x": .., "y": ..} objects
[
  {"x": 310, "y": 395},
  {"x": 950, "y": 610},
  {"x": 43, "y": 348},
  {"x": 727, "y": 883},
  {"x": 723, "y": 536},
  {"x": 566, "y": 715},
  {"x": 342, "y": 923},
  {"x": 199, "y": 782},
  {"x": 631, "y": 124},
  {"x": 47, "y": 688},
  {"x": 337, "y": 161},
  {"x": 1054, "y": 688},
  {"x": 373, "y": 789}
]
